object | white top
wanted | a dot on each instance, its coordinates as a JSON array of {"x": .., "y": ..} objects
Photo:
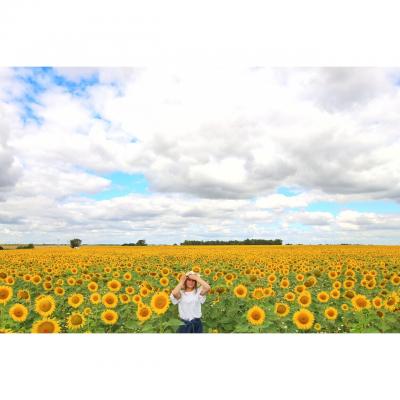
[{"x": 189, "y": 305}]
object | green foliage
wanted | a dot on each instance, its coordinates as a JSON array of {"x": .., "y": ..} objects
[
  {"x": 28, "y": 246},
  {"x": 140, "y": 242},
  {"x": 231, "y": 242},
  {"x": 75, "y": 243}
]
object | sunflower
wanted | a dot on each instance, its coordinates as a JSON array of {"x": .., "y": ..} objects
[
  {"x": 71, "y": 281},
  {"x": 317, "y": 327},
  {"x": 256, "y": 315},
  {"x": 360, "y": 302},
  {"x": 282, "y": 309},
  {"x": 114, "y": 285},
  {"x": 160, "y": 303},
  {"x": 284, "y": 283},
  {"x": 377, "y": 302},
  {"x": 18, "y": 312},
  {"x": 290, "y": 296},
  {"x": 109, "y": 317},
  {"x": 348, "y": 284},
  {"x": 24, "y": 295},
  {"x": 143, "y": 313},
  {"x": 303, "y": 319},
  {"x": 323, "y": 297},
  {"x": 59, "y": 291},
  {"x": 240, "y": 291},
  {"x": 344, "y": 307},
  {"x": 164, "y": 281},
  {"x": 257, "y": 293},
  {"x": 75, "y": 321},
  {"x": 124, "y": 298},
  {"x": 6, "y": 293},
  {"x": 391, "y": 302},
  {"x": 129, "y": 290},
  {"x": 110, "y": 300},
  {"x": 87, "y": 311},
  {"x": 93, "y": 286},
  {"x": 395, "y": 279},
  {"x": 127, "y": 276},
  {"x": 300, "y": 288},
  {"x": 335, "y": 294},
  {"x": 331, "y": 313},
  {"x": 46, "y": 325},
  {"x": 95, "y": 298},
  {"x": 45, "y": 305},
  {"x": 144, "y": 291},
  {"x": 304, "y": 299},
  {"x": 136, "y": 298},
  {"x": 75, "y": 300}
]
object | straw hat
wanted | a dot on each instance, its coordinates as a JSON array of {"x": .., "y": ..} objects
[{"x": 192, "y": 273}]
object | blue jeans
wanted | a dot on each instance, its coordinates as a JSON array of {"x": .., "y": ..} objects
[{"x": 193, "y": 326}]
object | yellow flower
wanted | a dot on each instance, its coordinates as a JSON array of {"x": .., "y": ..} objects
[
  {"x": 160, "y": 303},
  {"x": 323, "y": 297},
  {"x": 256, "y": 315},
  {"x": 6, "y": 293},
  {"x": 46, "y": 325},
  {"x": 75, "y": 321},
  {"x": 240, "y": 291},
  {"x": 114, "y": 285},
  {"x": 110, "y": 300},
  {"x": 303, "y": 319},
  {"x": 281, "y": 309},
  {"x": 45, "y": 305},
  {"x": 360, "y": 302},
  {"x": 75, "y": 300},
  {"x": 143, "y": 313},
  {"x": 18, "y": 312},
  {"x": 331, "y": 313},
  {"x": 109, "y": 317}
]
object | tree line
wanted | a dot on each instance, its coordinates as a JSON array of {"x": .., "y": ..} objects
[{"x": 232, "y": 242}]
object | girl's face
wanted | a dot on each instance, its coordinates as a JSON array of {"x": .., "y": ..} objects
[{"x": 190, "y": 283}]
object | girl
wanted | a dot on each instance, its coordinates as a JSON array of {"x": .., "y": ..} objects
[{"x": 189, "y": 301}]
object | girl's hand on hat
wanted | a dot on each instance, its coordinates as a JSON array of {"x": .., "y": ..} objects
[
  {"x": 193, "y": 276},
  {"x": 182, "y": 279}
]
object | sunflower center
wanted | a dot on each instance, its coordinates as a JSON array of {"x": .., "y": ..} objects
[
  {"x": 46, "y": 327},
  {"x": 256, "y": 315},
  {"x": 361, "y": 302},
  {"x": 76, "y": 320},
  {"x": 160, "y": 302},
  {"x": 144, "y": 312},
  {"x": 45, "y": 305},
  {"x": 281, "y": 309},
  {"x": 303, "y": 318},
  {"x": 109, "y": 317}
]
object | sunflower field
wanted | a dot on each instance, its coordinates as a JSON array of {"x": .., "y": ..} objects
[{"x": 277, "y": 289}]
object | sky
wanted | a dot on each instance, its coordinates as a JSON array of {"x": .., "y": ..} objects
[{"x": 114, "y": 155}]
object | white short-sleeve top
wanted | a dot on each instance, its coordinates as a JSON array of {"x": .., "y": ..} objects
[{"x": 189, "y": 305}]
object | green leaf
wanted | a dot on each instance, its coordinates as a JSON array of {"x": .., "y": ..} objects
[
  {"x": 174, "y": 322},
  {"x": 131, "y": 324}
]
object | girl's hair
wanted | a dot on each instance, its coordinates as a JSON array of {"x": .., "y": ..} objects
[{"x": 195, "y": 285}]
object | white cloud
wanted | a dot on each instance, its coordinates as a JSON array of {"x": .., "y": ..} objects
[{"x": 214, "y": 145}]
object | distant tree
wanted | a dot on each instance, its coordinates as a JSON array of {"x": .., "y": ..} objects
[
  {"x": 141, "y": 242},
  {"x": 232, "y": 242},
  {"x": 1, "y": 248},
  {"x": 29, "y": 246},
  {"x": 75, "y": 243}
]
